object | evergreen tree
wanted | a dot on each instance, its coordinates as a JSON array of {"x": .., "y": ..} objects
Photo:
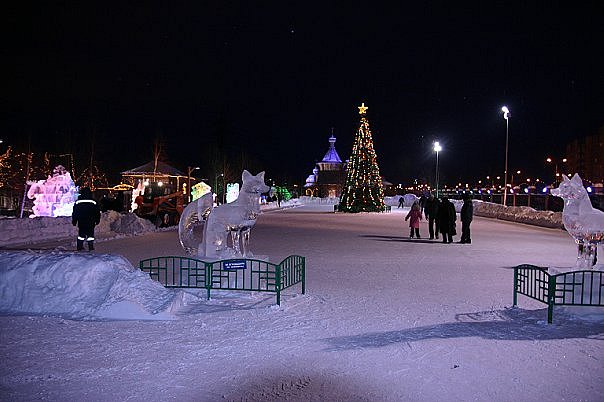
[{"x": 363, "y": 191}]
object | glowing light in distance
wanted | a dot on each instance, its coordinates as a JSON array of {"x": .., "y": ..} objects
[{"x": 506, "y": 112}]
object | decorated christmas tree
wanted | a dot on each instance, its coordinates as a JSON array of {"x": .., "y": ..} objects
[{"x": 363, "y": 191}]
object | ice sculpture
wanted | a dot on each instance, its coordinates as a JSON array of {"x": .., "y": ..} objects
[
  {"x": 583, "y": 222},
  {"x": 139, "y": 190},
  {"x": 192, "y": 220},
  {"x": 199, "y": 189},
  {"x": 232, "y": 192},
  {"x": 235, "y": 219},
  {"x": 54, "y": 196}
]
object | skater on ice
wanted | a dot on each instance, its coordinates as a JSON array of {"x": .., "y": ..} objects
[{"x": 414, "y": 216}]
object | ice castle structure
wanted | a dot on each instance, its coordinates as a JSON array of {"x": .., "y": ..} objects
[{"x": 54, "y": 196}]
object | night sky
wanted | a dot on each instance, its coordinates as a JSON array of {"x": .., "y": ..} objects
[{"x": 273, "y": 78}]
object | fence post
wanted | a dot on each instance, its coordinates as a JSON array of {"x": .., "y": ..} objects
[
  {"x": 278, "y": 282},
  {"x": 515, "y": 286},
  {"x": 303, "y": 275},
  {"x": 551, "y": 292},
  {"x": 208, "y": 283}
]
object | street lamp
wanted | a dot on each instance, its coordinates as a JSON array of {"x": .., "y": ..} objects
[
  {"x": 506, "y": 116},
  {"x": 437, "y": 148},
  {"x": 189, "y": 170}
]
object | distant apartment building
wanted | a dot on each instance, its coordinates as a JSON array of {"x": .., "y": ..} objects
[{"x": 586, "y": 157}]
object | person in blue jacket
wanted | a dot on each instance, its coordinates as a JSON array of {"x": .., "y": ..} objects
[{"x": 86, "y": 215}]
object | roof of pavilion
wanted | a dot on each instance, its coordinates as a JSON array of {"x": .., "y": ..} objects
[{"x": 149, "y": 169}]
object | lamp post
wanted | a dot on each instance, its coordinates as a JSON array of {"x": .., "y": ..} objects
[
  {"x": 437, "y": 148},
  {"x": 506, "y": 116},
  {"x": 189, "y": 170}
]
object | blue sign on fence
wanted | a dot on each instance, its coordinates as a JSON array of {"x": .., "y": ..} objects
[{"x": 231, "y": 265}]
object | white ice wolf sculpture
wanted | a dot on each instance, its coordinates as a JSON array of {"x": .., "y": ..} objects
[
  {"x": 583, "y": 222},
  {"x": 235, "y": 218}
]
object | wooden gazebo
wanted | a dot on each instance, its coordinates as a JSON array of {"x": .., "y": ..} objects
[{"x": 158, "y": 174}]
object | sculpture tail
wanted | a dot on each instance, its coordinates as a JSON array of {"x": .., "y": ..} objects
[{"x": 195, "y": 214}]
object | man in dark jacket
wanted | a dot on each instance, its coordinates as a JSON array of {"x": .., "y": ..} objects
[
  {"x": 422, "y": 203},
  {"x": 466, "y": 215},
  {"x": 86, "y": 216},
  {"x": 447, "y": 217},
  {"x": 431, "y": 212}
]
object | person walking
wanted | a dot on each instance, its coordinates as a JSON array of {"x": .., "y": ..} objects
[
  {"x": 466, "y": 215},
  {"x": 86, "y": 215},
  {"x": 414, "y": 216},
  {"x": 431, "y": 212},
  {"x": 422, "y": 203},
  {"x": 447, "y": 217}
]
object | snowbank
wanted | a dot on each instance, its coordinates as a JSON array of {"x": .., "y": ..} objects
[
  {"x": 269, "y": 206},
  {"x": 81, "y": 286},
  {"x": 526, "y": 215},
  {"x": 14, "y": 231}
]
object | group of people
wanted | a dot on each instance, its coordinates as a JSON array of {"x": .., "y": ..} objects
[{"x": 441, "y": 217}]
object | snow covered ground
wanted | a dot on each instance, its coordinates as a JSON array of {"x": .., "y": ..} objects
[{"x": 385, "y": 318}]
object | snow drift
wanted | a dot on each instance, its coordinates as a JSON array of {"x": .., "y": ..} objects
[
  {"x": 526, "y": 215},
  {"x": 15, "y": 231},
  {"x": 81, "y": 286}
]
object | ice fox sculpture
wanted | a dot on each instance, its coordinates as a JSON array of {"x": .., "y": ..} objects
[
  {"x": 582, "y": 221},
  {"x": 235, "y": 219}
]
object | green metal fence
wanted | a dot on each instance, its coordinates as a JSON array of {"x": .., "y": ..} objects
[
  {"x": 574, "y": 288},
  {"x": 240, "y": 274}
]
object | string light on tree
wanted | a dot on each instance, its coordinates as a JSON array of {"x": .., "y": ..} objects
[{"x": 363, "y": 191}]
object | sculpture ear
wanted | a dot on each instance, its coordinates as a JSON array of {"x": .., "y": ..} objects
[
  {"x": 577, "y": 179},
  {"x": 260, "y": 175},
  {"x": 245, "y": 175},
  {"x": 565, "y": 178}
]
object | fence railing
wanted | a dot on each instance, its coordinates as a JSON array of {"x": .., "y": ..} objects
[
  {"x": 232, "y": 274},
  {"x": 574, "y": 288}
]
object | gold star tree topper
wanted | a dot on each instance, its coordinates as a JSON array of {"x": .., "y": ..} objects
[{"x": 363, "y": 108}]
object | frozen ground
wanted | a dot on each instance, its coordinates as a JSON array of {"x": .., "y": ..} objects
[{"x": 385, "y": 318}]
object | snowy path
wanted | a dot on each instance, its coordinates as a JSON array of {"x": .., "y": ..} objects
[{"x": 384, "y": 319}]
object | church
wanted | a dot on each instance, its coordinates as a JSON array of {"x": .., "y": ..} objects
[{"x": 328, "y": 176}]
